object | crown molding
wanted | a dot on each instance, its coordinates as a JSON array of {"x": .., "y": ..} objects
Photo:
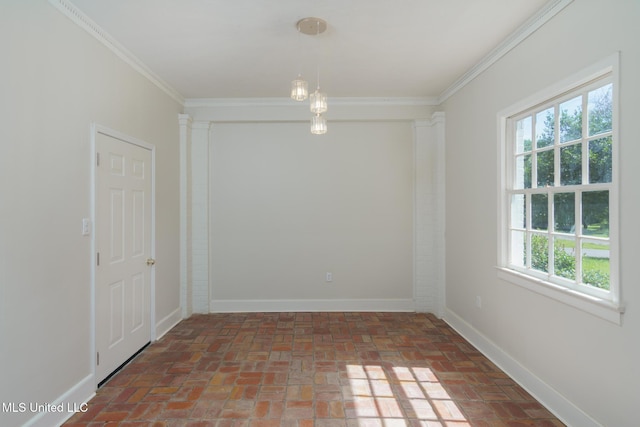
[
  {"x": 184, "y": 120},
  {"x": 551, "y": 9},
  {"x": 87, "y": 24},
  {"x": 438, "y": 117},
  {"x": 379, "y": 101},
  {"x": 287, "y": 102},
  {"x": 201, "y": 124}
]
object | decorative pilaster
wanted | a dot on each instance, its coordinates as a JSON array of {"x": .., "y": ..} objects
[
  {"x": 186, "y": 284},
  {"x": 200, "y": 140},
  {"x": 438, "y": 123},
  {"x": 429, "y": 256}
]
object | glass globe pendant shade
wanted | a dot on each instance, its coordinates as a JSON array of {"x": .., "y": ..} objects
[
  {"x": 299, "y": 89},
  {"x": 318, "y": 102},
  {"x": 318, "y": 125}
]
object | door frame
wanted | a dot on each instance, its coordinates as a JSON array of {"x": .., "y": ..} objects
[{"x": 96, "y": 129}]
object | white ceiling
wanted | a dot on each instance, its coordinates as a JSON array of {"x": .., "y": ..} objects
[{"x": 251, "y": 48}]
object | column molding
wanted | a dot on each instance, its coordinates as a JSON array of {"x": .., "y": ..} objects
[
  {"x": 200, "y": 143},
  {"x": 429, "y": 217},
  {"x": 186, "y": 290}
]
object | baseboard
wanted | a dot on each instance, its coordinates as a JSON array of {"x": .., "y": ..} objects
[
  {"x": 74, "y": 400},
  {"x": 562, "y": 408},
  {"x": 298, "y": 305},
  {"x": 64, "y": 407},
  {"x": 168, "y": 322}
]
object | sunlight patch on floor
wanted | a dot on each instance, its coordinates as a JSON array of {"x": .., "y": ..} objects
[{"x": 407, "y": 393}]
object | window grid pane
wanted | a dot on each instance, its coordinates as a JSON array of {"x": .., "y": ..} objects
[
  {"x": 564, "y": 258},
  {"x": 539, "y": 211},
  {"x": 523, "y": 135},
  {"x": 540, "y": 252},
  {"x": 522, "y": 172},
  {"x": 571, "y": 120},
  {"x": 545, "y": 125},
  {"x": 545, "y": 167},
  {"x": 600, "y": 160},
  {"x": 564, "y": 213},
  {"x": 596, "y": 264},
  {"x": 519, "y": 211},
  {"x": 571, "y": 165},
  {"x": 595, "y": 213},
  {"x": 600, "y": 112},
  {"x": 570, "y": 252},
  {"x": 518, "y": 255}
]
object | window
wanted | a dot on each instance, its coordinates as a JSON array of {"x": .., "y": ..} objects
[{"x": 559, "y": 195}]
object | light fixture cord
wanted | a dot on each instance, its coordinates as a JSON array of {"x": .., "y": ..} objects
[
  {"x": 317, "y": 61},
  {"x": 300, "y": 47}
]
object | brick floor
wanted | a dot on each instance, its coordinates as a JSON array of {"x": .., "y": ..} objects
[{"x": 312, "y": 369}]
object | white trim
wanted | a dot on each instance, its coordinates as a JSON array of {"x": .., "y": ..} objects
[
  {"x": 152, "y": 304},
  {"x": 555, "y": 402},
  {"x": 438, "y": 120},
  {"x": 121, "y": 136},
  {"x": 168, "y": 323},
  {"x": 614, "y": 233},
  {"x": 87, "y": 24},
  {"x": 93, "y": 130},
  {"x": 300, "y": 305},
  {"x": 597, "y": 306},
  {"x": 529, "y": 27},
  {"x": 287, "y": 102},
  {"x": 591, "y": 72},
  {"x": 550, "y": 10},
  {"x": 201, "y": 209},
  {"x": 610, "y": 310},
  {"x": 428, "y": 215},
  {"x": 186, "y": 291},
  {"x": 75, "y": 397},
  {"x": 416, "y": 282}
]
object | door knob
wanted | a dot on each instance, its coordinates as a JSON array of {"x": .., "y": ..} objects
[{"x": 151, "y": 261}]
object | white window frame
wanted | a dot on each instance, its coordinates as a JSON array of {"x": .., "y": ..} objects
[{"x": 606, "y": 305}]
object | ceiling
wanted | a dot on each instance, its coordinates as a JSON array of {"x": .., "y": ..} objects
[{"x": 252, "y": 49}]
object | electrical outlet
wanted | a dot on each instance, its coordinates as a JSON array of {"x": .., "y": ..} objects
[
  {"x": 329, "y": 277},
  {"x": 478, "y": 301}
]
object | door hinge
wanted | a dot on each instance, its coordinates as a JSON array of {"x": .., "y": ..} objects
[
  {"x": 97, "y": 258},
  {"x": 97, "y": 159},
  {"x": 97, "y": 358}
]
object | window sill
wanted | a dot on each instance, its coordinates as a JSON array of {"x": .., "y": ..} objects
[{"x": 596, "y": 306}]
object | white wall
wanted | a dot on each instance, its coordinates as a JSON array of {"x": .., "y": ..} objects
[
  {"x": 287, "y": 207},
  {"x": 590, "y": 362},
  {"x": 275, "y": 208},
  {"x": 55, "y": 80}
]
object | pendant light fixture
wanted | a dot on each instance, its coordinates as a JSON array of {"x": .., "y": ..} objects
[
  {"x": 318, "y": 124},
  {"x": 299, "y": 87},
  {"x": 318, "y": 104}
]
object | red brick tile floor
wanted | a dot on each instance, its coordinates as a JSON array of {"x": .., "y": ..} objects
[{"x": 312, "y": 369}]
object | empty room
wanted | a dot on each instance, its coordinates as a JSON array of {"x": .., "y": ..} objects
[{"x": 319, "y": 213}]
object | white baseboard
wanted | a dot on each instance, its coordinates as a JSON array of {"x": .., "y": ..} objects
[
  {"x": 168, "y": 322},
  {"x": 74, "y": 398},
  {"x": 296, "y": 305},
  {"x": 562, "y": 408},
  {"x": 64, "y": 407}
]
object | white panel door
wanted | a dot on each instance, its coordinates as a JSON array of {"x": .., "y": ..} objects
[{"x": 123, "y": 245}]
